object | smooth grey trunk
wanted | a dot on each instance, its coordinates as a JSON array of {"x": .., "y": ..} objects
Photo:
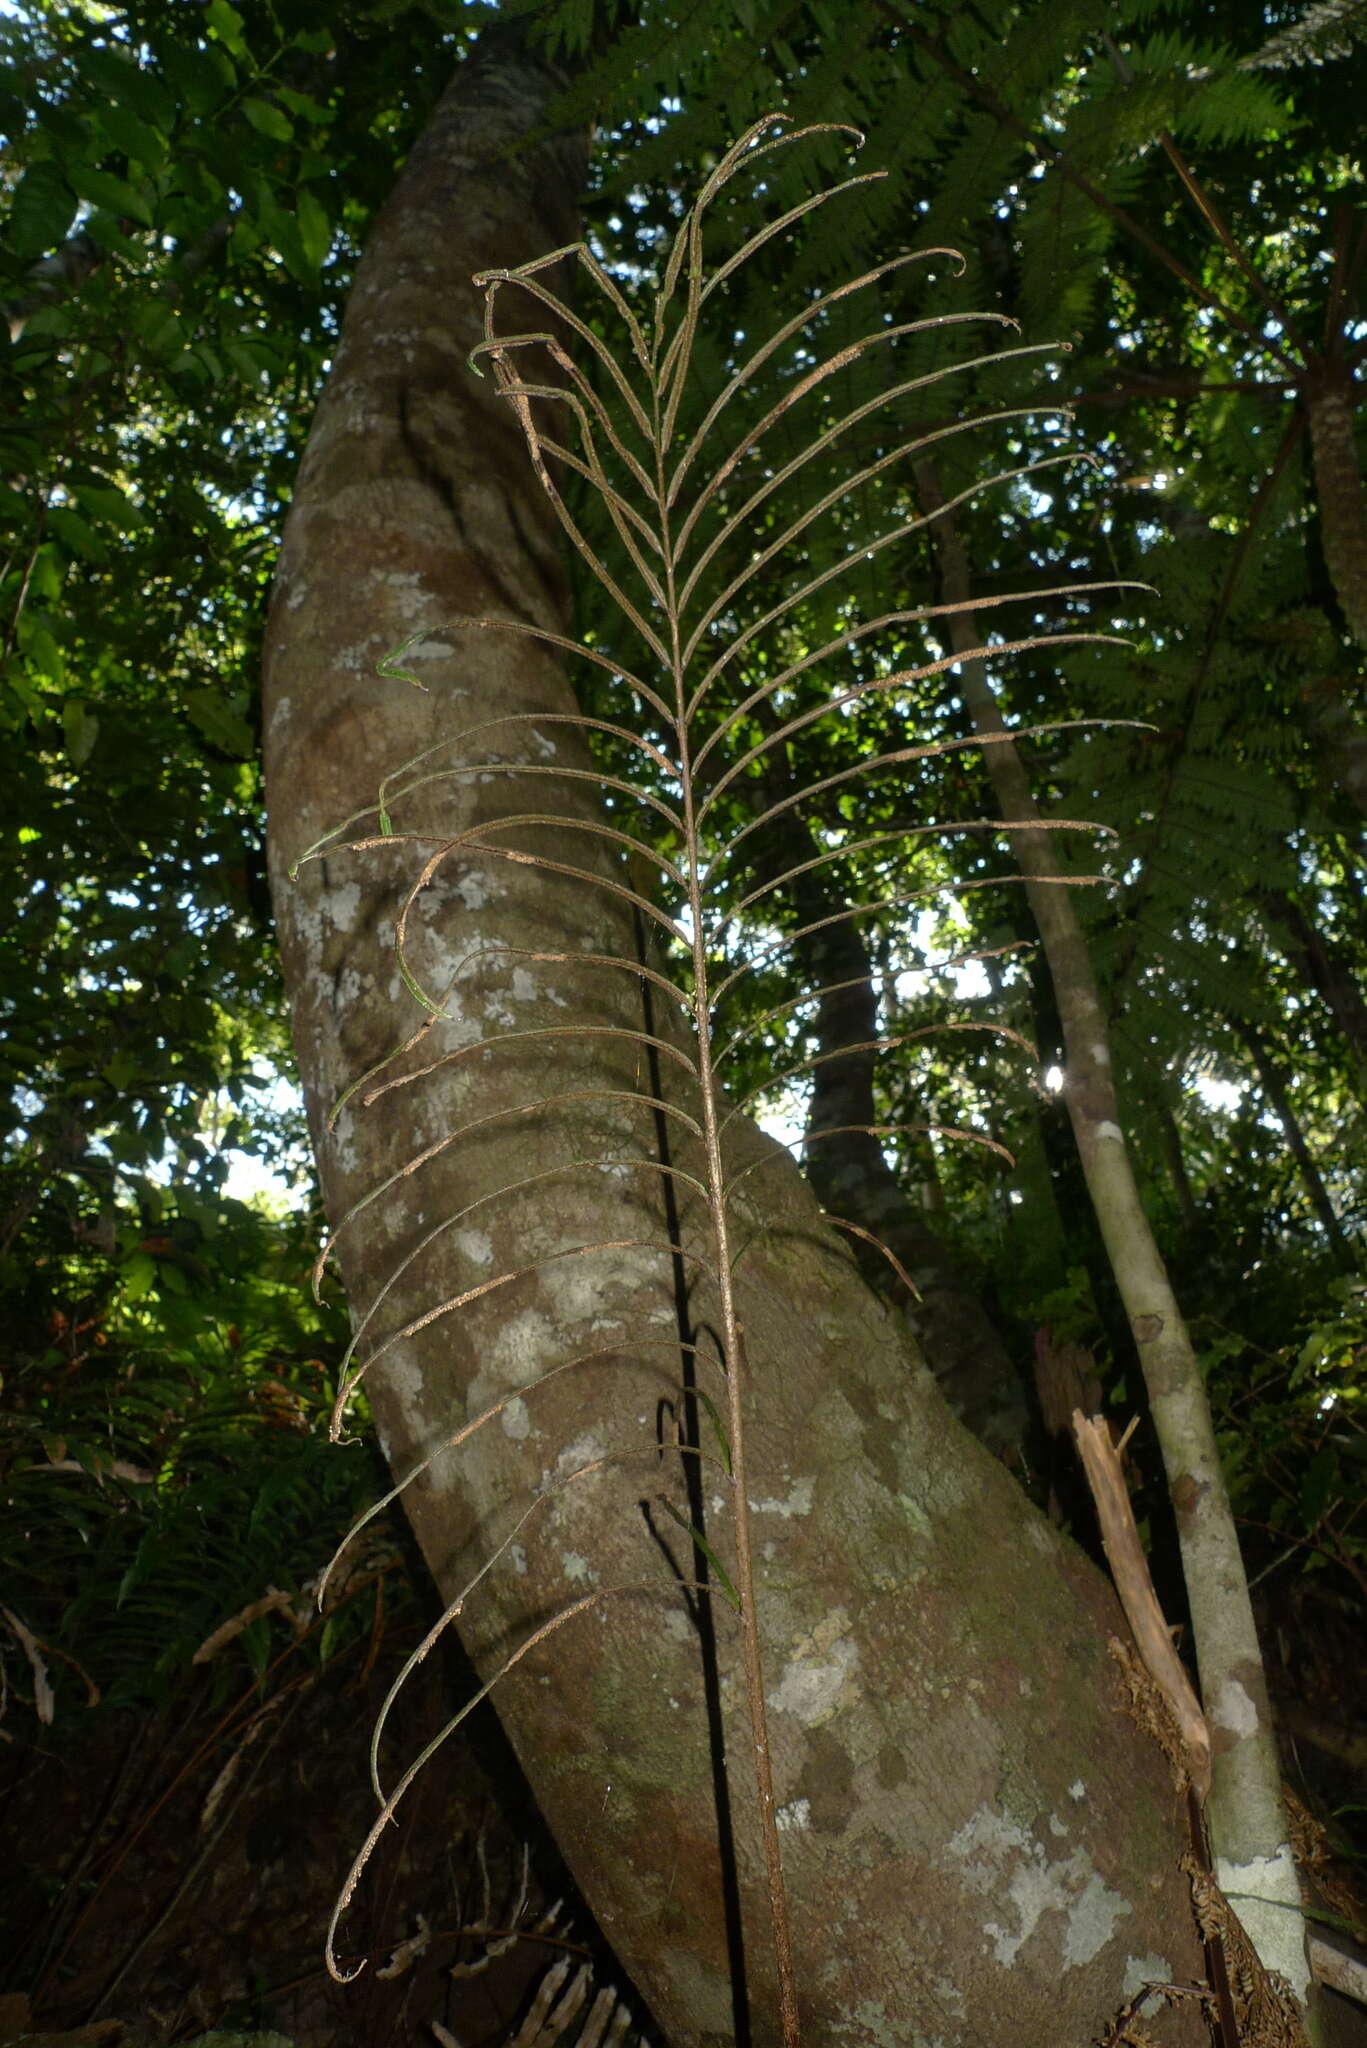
[
  {"x": 979, "y": 1848},
  {"x": 1249, "y": 1831}
]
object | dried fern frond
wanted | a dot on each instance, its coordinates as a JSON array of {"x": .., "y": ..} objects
[{"x": 727, "y": 498}]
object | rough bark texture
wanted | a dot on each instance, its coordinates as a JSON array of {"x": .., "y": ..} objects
[
  {"x": 980, "y": 1848},
  {"x": 1330, "y": 396},
  {"x": 1248, "y": 1824}
]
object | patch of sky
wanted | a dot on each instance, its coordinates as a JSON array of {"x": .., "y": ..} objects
[
  {"x": 1038, "y": 502},
  {"x": 254, "y": 1180}
]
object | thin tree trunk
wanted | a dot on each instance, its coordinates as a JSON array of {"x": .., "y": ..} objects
[
  {"x": 1170, "y": 1137},
  {"x": 978, "y": 1847},
  {"x": 846, "y": 1165},
  {"x": 1342, "y": 739},
  {"x": 1248, "y": 1819},
  {"x": 1329, "y": 394},
  {"x": 1319, "y": 966},
  {"x": 1274, "y": 1088}
]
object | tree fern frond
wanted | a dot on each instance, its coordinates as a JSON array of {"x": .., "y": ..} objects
[{"x": 1327, "y": 30}]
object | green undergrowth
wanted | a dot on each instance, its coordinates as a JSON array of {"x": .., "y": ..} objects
[{"x": 165, "y": 1485}]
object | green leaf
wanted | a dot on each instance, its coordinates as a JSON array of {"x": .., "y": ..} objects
[
  {"x": 220, "y": 719},
  {"x": 245, "y": 361},
  {"x": 299, "y": 104},
  {"x": 76, "y": 534},
  {"x": 108, "y": 229},
  {"x": 129, "y": 85},
  {"x": 268, "y": 120},
  {"x": 20, "y": 687},
  {"x": 256, "y": 1642},
  {"x": 41, "y": 213},
  {"x": 43, "y": 654},
  {"x": 121, "y": 1071},
  {"x": 139, "y": 1275},
  {"x": 388, "y": 666},
  {"x": 285, "y": 235},
  {"x": 139, "y": 143},
  {"x": 226, "y": 24},
  {"x": 160, "y": 328},
  {"x": 1320, "y": 1480},
  {"x": 115, "y": 195},
  {"x": 706, "y": 1402},
  {"x": 315, "y": 229},
  {"x": 81, "y": 729},
  {"x": 700, "y": 1541},
  {"x": 198, "y": 77},
  {"x": 106, "y": 503}
]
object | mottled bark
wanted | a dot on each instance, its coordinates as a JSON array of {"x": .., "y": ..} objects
[
  {"x": 1248, "y": 1820},
  {"x": 979, "y": 1848}
]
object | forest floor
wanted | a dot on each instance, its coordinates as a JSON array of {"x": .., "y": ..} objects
[
  {"x": 171, "y": 1874},
  {"x": 174, "y": 1874}
]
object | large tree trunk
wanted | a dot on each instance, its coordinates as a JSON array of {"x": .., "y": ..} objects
[{"x": 980, "y": 1848}]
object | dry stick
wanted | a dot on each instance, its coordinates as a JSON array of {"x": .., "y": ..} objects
[
  {"x": 1334, "y": 1960},
  {"x": 1254, "y": 1862},
  {"x": 1130, "y": 1570}
]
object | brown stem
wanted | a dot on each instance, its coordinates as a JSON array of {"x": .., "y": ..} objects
[
  {"x": 1274, "y": 1088},
  {"x": 1330, "y": 396},
  {"x": 1318, "y": 964},
  {"x": 737, "y": 1375},
  {"x": 1171, "y": 1139},
  {"x": 1130, "y": 1570},
  {"x": 1211, "y": 214}
]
